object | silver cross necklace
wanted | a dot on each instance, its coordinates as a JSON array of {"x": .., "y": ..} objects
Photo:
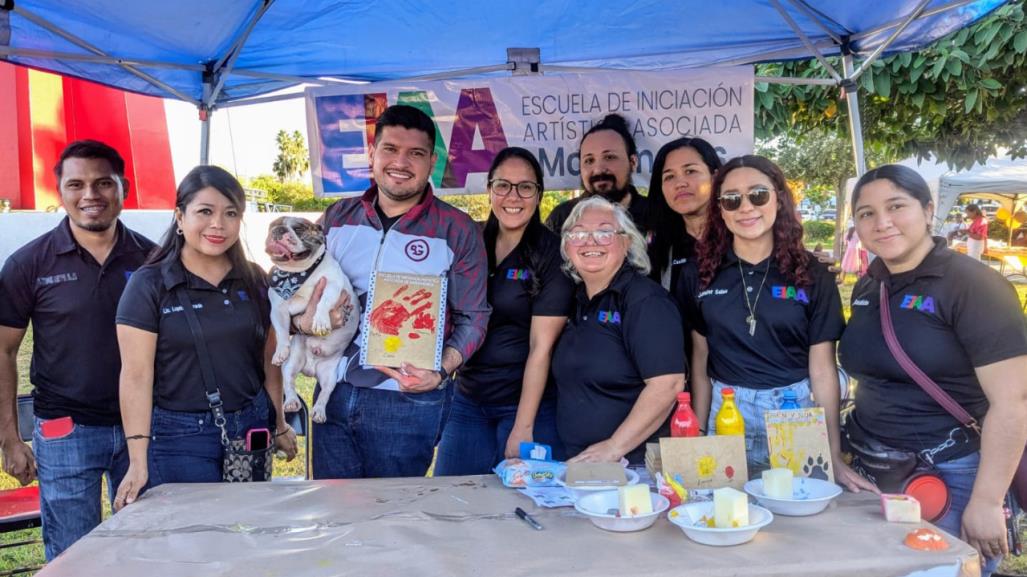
[{"x": 751, "y": 319}]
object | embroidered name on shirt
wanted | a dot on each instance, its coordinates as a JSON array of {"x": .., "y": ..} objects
[
  {"x": 861, "y": 303},
  {"x": 789, "y": 293},
  {"x": 178, "y": 309},
  {"x": 518, "y": 274},
  {"x": 56, "y": 279},
  {"x": 918, "y": 302},
  {"x": 609, "y": 317},
  {"x": 678, "y": 261},
  {"x": 709, "y": 292}
]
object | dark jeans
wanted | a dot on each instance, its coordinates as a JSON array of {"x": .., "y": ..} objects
[
  {"x": 186, "y": 446},
  {"x": 474, "y": 439},
  {"x": 70, "y": 470},
  {"x": 959, "y": 475},
  {"x": 378, "y": 433}
]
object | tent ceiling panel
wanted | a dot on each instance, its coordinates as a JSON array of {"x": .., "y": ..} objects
[{"x": 377, "y": 40}]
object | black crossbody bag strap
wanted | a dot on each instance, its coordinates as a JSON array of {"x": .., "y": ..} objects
[{"x": 206, "y": 365}]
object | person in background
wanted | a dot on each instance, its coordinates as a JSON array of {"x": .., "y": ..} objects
[
  {"x": 679, "y": 200},
  {"x": 608, "y": 157},
  {"x": 169, "y": 423},
  {"x": 67, "y": 284},
  {"x": 765, "y": 313},
  {"x": 503, "y": 395},
  {"x": 960, "y": 322},
  {"x": 976, "y": 232},
  {"x": 620, "y": 361}
]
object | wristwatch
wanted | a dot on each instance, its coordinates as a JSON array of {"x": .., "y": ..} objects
[{"x": 445, "y": 376}]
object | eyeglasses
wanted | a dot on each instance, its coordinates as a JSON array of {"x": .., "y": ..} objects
[
  {"x": 732, "y": 201},
  {"x": 525, "y": 189},
  {"x": 600, "y": 237}
]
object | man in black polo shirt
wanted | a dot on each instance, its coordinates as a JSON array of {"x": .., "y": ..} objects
[
  {"x": 608, "y": 157},
  {"x": 67, "y": 283}
]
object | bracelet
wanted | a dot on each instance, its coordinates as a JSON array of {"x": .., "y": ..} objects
[
  {"x": 280, "y": 433},
  {"x": 136, "y": 437}
]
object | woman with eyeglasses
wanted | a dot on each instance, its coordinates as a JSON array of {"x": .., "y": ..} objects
[
  {"x": 502, "y": 397},
  {"x": 620, "y": 361},
  {"x": 765, "y": 313}
]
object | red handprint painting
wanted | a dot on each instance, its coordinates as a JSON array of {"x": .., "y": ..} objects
[{"x": 404, "y": 316}]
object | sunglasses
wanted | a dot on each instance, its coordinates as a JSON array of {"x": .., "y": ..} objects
[
  {"x": 732, "y": 201},
  {"x": 525, "y": 189},
  {"x": 601, "y": 237}
]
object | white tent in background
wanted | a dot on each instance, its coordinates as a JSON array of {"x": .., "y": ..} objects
[{"x": 999, "y": 179}]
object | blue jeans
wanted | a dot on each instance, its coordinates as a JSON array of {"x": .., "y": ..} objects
[
  {"x": 70, "y": 470},
  {"x": 186, "y": 447},
  {"x": 474, "y": 440},
  {"x": 752, "y": 403},
  {"x": 959, "y": 475},
  {"x": 378, "y": 433}
]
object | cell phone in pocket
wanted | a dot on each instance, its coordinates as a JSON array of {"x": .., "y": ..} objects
[
  {"x": 56, "y": 428},
  {"x": 257, "y": 439}
]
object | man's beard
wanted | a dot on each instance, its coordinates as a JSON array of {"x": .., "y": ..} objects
[{"x": 614, "y": 194}]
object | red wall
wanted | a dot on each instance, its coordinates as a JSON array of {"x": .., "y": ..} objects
[{"x": 40, "y": 113}]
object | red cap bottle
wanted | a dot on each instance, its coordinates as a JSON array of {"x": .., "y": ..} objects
[{"x": 684, "y": 423}]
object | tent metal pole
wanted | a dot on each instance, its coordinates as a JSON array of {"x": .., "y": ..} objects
[
  {"x": 458, "y": 73},
  {"x": 815, "y": 18},
  {"x": 805, "y": 40},
  {"x": 43, "y": 23},
  {"x": 224, "y": 65},
  {"x": 113, "y": 60},
  {"x": 891, "y": 39},
  {"x": 262, "y": 100},
  {"x": 795, "y": 80},
  {"x": 855, "y": 123},
  {"x": 773, "y": 55},
  {"x": 205, "y": 112},
  {"x": 320, "y": 81},
  {"x": 897, "y": 22}
]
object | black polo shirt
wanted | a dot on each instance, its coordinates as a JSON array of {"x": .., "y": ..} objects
[
  {"x": 612, "y": 343},
  {"x": 951, "y": 314},
  {"x": 638, "y": 208},
  {"x": 71, "y": 300},
  {"x": 789, "y": 320},
  {"x": 234, "y": 322},
  {"x": 670, "y": 275},
  {"x": 493, "y": 376}
]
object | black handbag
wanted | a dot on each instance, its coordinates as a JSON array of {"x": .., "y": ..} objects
[{"x": 238, "y": 464}]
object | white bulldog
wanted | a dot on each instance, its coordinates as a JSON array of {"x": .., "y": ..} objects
[{"x": 297, "y": 247}]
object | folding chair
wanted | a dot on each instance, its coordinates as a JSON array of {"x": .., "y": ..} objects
[
  {"x": 19, "y": 508},
  {"x": 299, "y": 421}
]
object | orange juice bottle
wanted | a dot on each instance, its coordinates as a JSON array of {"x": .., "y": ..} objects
[{"x": 729, "y": 419}]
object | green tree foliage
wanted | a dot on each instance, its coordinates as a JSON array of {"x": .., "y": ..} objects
[
  {"x": 298, "y": 195},
  {"x": 292, "y": 160},
  {"x": 818, "y": 232},
  {"x": 959, "y": 99}
]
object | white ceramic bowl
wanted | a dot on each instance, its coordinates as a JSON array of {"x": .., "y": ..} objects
[
  {"x": 688, "y": 517},
  {"x": 580, "y": 491},
  {"x": 809, "y": 496},
  {"x": 598, "y": 506}
]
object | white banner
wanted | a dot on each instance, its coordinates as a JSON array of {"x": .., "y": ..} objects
[{"x": 547, "y": 115}]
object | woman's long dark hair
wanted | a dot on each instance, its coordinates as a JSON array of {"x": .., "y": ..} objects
[
  {"x": 667, "y": 226},
  {"x": 171, "y": 245},
  {"x": 789, "y": 254},
  {"x": 532, "y": 233}
]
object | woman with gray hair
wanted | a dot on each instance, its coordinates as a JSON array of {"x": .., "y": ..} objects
[{"x": 620, "y": 361}]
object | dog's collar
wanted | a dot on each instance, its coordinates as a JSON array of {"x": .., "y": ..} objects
[{"x": 286, "y": 283}]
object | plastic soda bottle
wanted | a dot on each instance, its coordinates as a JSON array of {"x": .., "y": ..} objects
[
  {"x": 789, "y": 401},
  {"x": 684, "y": 423},
  {"x": 729, "y": 419}
]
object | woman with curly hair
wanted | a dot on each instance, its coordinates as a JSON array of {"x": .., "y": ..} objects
[{"x": 765, "y": 314}]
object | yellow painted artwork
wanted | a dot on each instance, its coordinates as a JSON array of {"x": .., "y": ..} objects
[
  {"x": 705, "y": 462},
  {"x": 798, "y": 441}
]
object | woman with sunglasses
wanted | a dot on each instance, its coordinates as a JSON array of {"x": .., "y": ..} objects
[
  {"x": 620, "y": 361},
  {"x": 679, "y": 198},
  {"x": 502, "y": 398},
  {"x": 765, "y": 313},
  {"x": 960, "y": 322}
]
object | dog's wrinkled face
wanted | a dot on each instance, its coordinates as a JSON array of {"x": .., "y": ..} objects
[{"x": 293, "y": 242}]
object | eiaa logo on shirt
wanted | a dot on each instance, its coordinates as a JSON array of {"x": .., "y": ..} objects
[
  {"x": 609, "y": 317},
  {"x": 924, "y": 304},
  {"x": 789, "y": 293},
  {"x": 518, "y": 274}
]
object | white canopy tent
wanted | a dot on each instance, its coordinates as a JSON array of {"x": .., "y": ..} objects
[{"x": 999, "y": 179}]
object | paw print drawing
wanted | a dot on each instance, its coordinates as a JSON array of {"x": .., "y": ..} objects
[{"x": 816, "y": 469}]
